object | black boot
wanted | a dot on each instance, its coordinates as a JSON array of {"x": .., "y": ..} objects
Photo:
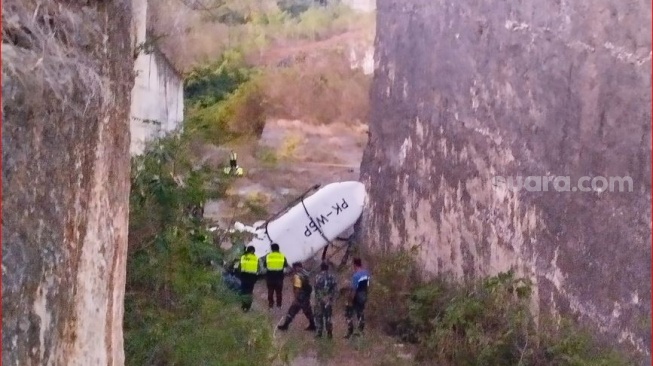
[
  {"x": 350, "y": 330},
  {"x": 311, "y": 327},
  {"x": 285, "y": 324}
]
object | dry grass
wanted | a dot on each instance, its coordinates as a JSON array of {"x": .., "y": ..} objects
[
  {"x": 289, "y": 146},
  {"x": 322, "y": 90},
  {"x": 41, "y": 55}
]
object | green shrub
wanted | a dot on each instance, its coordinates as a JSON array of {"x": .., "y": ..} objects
[
  {"x": 256, "y": 204},
  {"x": 485, "y": 322},
  {"x": 294, "y": 8},
  {"x": 242, "y": 113},
  {"x": 177, "y": 309},
  {"x": 244, "y": 110},
  {"x": 488, "y": 320},
  {"x": 316, "y": 22},
  {"x": 267, "y": 156},
  {"x": 225, "y": 100},
  {"x": 395, "y": 279},
  {"x": 209, "y": 84}
]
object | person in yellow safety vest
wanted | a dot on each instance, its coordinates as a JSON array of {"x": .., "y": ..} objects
[
  {"x": 249, "y": 270},
  {"x": 233, "y": 168},
  {"x": 275, "y": 262}
]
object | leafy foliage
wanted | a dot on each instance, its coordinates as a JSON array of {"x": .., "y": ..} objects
[
  {"x": 208, "y": 84},
  {"x": 485, "y": 322},
  {"x": 225, "y": 100},
  {"x": 294, "y": 7},
  {"x": 177, "y": 309}
]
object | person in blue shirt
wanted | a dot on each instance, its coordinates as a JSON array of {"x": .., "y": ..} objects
[{"x": 357, "y": 298}]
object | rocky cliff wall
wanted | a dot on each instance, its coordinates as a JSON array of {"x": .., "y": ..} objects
[
  {"x": 467, "y": 91},
  {"x": 66, "y": 78}
]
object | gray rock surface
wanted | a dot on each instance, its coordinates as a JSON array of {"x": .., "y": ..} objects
[
  {"x": 65, "y": 181},
  {"x": 467, "y": 91}
]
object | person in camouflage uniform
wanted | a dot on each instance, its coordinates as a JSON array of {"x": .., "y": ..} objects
[
  {"x": 302, "y": 302},
  {"x": 325, "y": 290}
]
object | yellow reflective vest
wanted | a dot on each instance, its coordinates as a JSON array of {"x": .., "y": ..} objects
[
  {"x": 249, "y": 263},
  {"x": 274, "y": 261}
]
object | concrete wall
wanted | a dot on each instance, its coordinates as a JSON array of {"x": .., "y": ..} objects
[
  {"x": 361, "y": 55},
  {"x": 362, "y": 58},
  {"x": 158, "y": 95},
  {"x": 465, "y": 91},
  {"x": 361, "y": 5},
  {"x": 65, "y": 179}
]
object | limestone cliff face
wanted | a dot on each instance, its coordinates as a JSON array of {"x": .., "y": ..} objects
[
  {"x": 67, "y": 76},
  {"x": 465, "y": 92}
]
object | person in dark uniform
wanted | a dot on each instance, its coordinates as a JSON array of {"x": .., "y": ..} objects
[
  {"x": 325, "y": 291},
  {"x": 302, "y": 290}
]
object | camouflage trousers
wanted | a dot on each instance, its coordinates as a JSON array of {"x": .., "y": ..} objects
[{"x": 323, "y": 312}]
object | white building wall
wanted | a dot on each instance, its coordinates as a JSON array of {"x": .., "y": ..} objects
[{"x": 158, "y": 94}]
